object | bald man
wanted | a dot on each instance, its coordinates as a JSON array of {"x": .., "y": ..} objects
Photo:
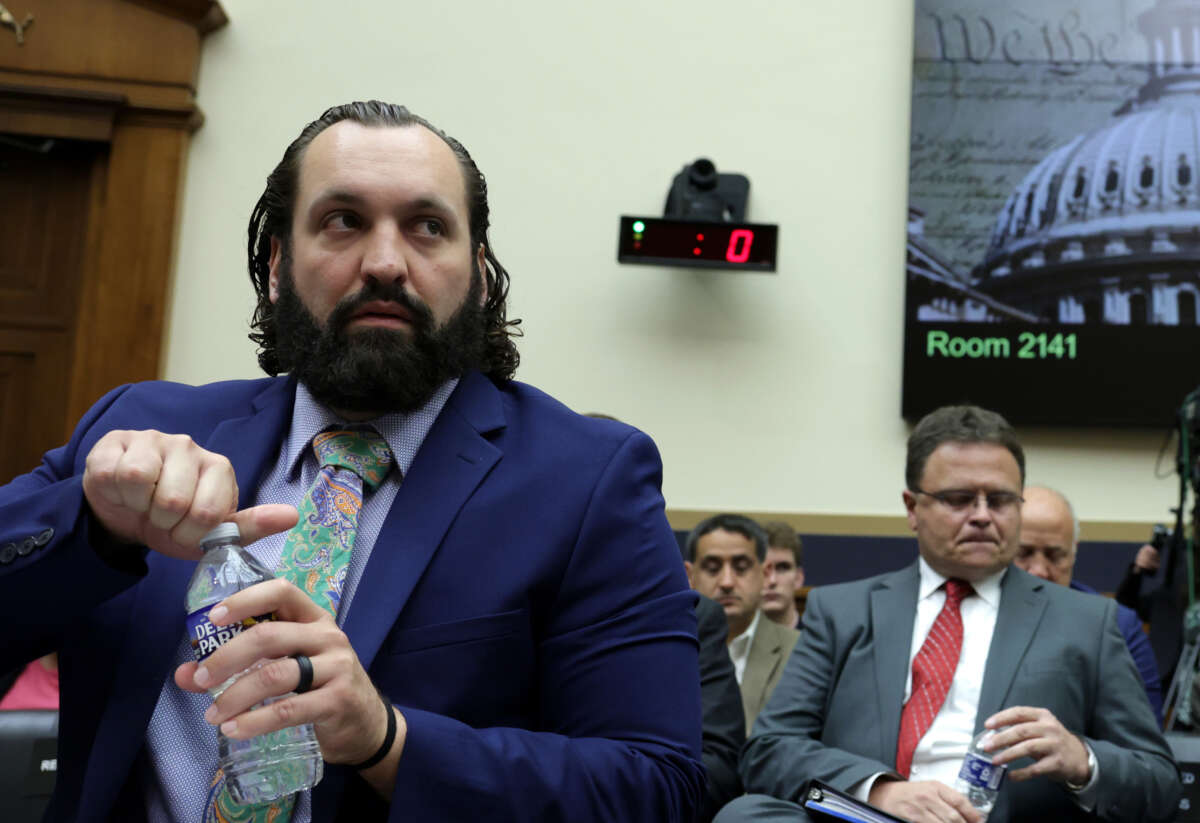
[{"x": 1049, "y": 538}]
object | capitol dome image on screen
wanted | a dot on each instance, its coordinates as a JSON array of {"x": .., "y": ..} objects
[{"x": 1104, "y": 228}]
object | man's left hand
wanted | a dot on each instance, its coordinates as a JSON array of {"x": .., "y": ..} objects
[
  {"x": 342, "y": 704},
  {"x": 1037, "y": 733}
]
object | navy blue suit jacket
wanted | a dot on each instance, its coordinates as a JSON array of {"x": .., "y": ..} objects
[{"x": 524, "y": 606}]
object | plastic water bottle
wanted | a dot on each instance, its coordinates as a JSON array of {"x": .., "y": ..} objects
[
  {"x": 275, "y": 764},
  {"x": 978, "y": 780}
]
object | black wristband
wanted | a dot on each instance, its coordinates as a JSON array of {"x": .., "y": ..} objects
[{"x": 389, "y": 739}]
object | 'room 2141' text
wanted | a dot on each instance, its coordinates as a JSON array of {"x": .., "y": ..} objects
[{"x": 1027, "y": 346}]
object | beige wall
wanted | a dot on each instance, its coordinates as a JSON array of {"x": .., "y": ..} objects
[{"x": 765, "y": 392}]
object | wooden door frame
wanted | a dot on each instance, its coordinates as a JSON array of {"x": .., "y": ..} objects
[{"x": 145, "y": 122}]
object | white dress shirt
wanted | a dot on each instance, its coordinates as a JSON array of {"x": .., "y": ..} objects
[
  {"x": 939, "y": 753},
  {"x": 739, "y": 647}
]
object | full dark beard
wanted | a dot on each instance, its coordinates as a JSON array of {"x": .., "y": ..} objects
[{"x": 376, "y": 371}]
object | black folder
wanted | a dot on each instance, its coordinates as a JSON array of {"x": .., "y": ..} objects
[{"x": 827, "y": 803}]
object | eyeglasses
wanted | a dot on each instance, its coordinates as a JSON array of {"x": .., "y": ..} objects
[{"x": 961, "y": 500}]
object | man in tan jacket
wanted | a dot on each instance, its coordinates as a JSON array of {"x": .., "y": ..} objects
[{"x": 726, "y": 553}]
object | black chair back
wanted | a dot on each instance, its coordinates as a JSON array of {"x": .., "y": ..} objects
[
  {"x": 28, "y": 763},
  {"x": 1186, "y": 748}
]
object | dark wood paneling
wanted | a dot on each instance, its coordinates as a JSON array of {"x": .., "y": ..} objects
[
  {"x": 111, "y": 39},
  {"x": 44, "y": 212},
  {"x": 32, "y": 397},
  {"x": 45, "y": 200},
  {"x": 121, "y": 328},
  {"x": 84, "y": 276},
  {"x": 57, "y": 112},
  {"x": 888, "y": 525}
]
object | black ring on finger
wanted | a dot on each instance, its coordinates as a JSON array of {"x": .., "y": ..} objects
[{"x": 306, "y": 673}]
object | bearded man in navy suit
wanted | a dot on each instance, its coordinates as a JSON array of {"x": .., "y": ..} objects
[{"x": 514, "y": 592}]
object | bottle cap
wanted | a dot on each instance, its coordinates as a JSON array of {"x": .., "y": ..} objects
[{"x": 224, "y": 533}]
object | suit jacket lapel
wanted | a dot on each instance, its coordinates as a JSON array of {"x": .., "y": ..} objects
[
  {"x": 1021, "y": 607},
  {"x": 156, "y": 605},
  {"x": 451, "y": 463},
  {"x": 761, "y": 662},
  {"x": 252, "y": 443},
  {"x": 893, "y": 605}
]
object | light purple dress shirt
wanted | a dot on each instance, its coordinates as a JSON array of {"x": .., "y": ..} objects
[{"x": 182, "y": 747}]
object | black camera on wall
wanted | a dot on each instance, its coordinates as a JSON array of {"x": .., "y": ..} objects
[
  {"x": 699, "y": 192},
  {"x": 703, "y": 226}
]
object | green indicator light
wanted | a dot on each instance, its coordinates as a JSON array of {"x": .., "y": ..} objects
[{"x": 639, "y": 226}]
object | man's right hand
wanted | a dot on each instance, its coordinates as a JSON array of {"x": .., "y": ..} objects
[
  {"x": 1146, "y": 559},
  {"x": 165, "y": 492},
  {"x": 923, "y": 801}
]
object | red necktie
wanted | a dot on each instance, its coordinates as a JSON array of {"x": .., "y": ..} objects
[{"x": 932, "y": 672}]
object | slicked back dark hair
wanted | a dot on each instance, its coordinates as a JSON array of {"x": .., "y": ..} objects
[
  {"x": 272, "y": 217},
  {"x": 958, "y": 424},
  {"x": 736, "y": 523}
]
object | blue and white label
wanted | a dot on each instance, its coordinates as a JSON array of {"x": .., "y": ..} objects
[
  {"x": 981, "y": 773},
  {"x": 207, "y": 638}
]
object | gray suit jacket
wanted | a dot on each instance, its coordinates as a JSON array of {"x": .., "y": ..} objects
[
  {"x": 836, "y": 713},
  {"x": 764, "y": 665}
]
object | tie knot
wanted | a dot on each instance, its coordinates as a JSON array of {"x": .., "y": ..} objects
[
  {"x": 362, "y": 451},
  {"x": 956, "y": 590}
]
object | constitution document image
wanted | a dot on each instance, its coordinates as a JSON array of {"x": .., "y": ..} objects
[{"x": 1054, "y": 199}]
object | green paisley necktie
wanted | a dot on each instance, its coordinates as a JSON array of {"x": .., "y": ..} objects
[{"x": 315, "y": 557}]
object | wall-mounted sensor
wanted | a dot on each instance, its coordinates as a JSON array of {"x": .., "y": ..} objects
[{"x": 703, "y": 225}]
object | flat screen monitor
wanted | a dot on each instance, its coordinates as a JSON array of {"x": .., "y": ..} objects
[{"x": 1053, "y": 254}]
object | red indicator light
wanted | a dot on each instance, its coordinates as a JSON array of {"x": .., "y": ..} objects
[
  {"x": 740, "y": 241},
  {"x": 637, "y": 245},
  {"x": 696, "y": 250},
  {"x": 699, "y": 238}
]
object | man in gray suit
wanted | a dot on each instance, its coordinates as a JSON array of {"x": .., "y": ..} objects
[
  {"x": 725, "y": 555},
  {"x": 1044, "y": 666}
]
